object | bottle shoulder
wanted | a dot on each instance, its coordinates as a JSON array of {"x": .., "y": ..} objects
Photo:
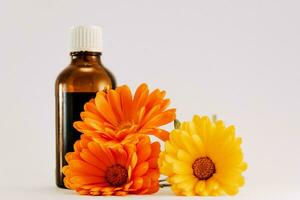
[
  {"x": 72, "y": 72},
  {"x": 84, "y": 78}
]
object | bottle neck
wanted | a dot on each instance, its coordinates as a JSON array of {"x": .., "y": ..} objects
[{"x": 85, "y": 57}]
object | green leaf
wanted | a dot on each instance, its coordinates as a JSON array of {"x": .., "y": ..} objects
[
  {"x": 214, "y": 117},
  {"x": 177, "y": 124}
]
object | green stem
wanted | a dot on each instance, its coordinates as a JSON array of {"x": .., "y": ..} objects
[
  {"x": 162, "y": 180},
  {"x": 162, "y": 185}
]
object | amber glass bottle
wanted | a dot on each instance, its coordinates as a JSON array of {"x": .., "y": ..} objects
[{"x": 74, "y": 86}]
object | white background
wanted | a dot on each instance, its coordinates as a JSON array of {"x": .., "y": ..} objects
[{"x": 238, "y": 59}]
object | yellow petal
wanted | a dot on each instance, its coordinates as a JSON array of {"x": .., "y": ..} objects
[
  {"x": 211, "y": 184},
  {"x": 197, "y": 141},
  {"x": 187, "y": 187},
  {"x": 170, "y": 148},
  {"x": 187, "y": 143},
  {"x": 184, "y": 156},
  {"x": 182, "y": 168},
  {"x": 175, "y": 139},
  {"x": 178, "y": 178},
  {"x": 200, "y": 187}
]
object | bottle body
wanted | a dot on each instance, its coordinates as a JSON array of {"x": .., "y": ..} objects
[{"x": 75, "y": 86}]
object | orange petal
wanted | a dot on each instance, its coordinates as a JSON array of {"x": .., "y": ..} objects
[
  {"x": 137, "y": 183},
  {"x": 83, "y": 192},
  {"x": 140, "y": 97},
  {"x": 126, "y": 101},
  {"x": 104, "y": 108},
  {"x": 94, "y": 193},
  {"x": 141, "y": 169},
  {"x": 146, "y": 185},
  {"x": 155, "y": 149},
  {"x": 108, "y": 153},
  {"x": 83, "y": 180},
  {"x": 90, "y": 115},
  {"x": 130, "y": 141},
  {"x": 70, "y": 172},
  {"x": 164, "y": 104},
  {"x": 95, "y": 124},
  {"x": 71, "y": 156},
  {"x": 77, "y": 146},
  {"x": 125, "y": 132},
  {"x": 81, "y": 126},
  {"x": 129, "y": 169},
  {"x": 87, "y": 156},
  {"x": 139, "y": 91},
  {"x": 150, "y": 114},
  {"x": 153, "y": 174},
  {"x": 91, "y": 107},
  {"x": 161, "y": 134},
  {"x": 127, "y": 185},
  {"x": 96, "y": 134},
  {"x": 153, "y": 163},
  {"x": 120, "y": 156},
  {"x": 95, "y": 187},
  {"x": 68, "y": 184},
  {"x": 133, "y": 160},
  {"x": 84, "y": 140},
  {"x": 143, "y": 150},
  {"x": 140, "y": 115},
  {"x": 154, "y": 98},
  {"x": 98, "y": 152},
  {"x": 162, "y": 119},
  {"x": 154, "y": 187},
  {"x": 114, "y": 100},
  {"x": 85, "y": 168},
  {"x": 121, "y": 193}
]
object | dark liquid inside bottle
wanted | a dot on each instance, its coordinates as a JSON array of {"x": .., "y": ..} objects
[
  {"x": 75, "y": 86},
  {"x": 73, "y": 105}
]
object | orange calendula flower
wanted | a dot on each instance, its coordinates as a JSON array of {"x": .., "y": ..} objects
[
  {"x": 113, "y": 168},
  {"x": 114, "y": 114}
]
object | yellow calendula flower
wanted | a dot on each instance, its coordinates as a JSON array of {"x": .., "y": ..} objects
[{"x": 203, "y": 157}]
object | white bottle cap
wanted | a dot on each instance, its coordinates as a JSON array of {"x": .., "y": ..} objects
[{"x": 86, "y": 38}]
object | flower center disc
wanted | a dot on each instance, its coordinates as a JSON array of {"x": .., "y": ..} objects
[
  {"x": 116, "y": 175},
  {"x": 203, "y": 168}
]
